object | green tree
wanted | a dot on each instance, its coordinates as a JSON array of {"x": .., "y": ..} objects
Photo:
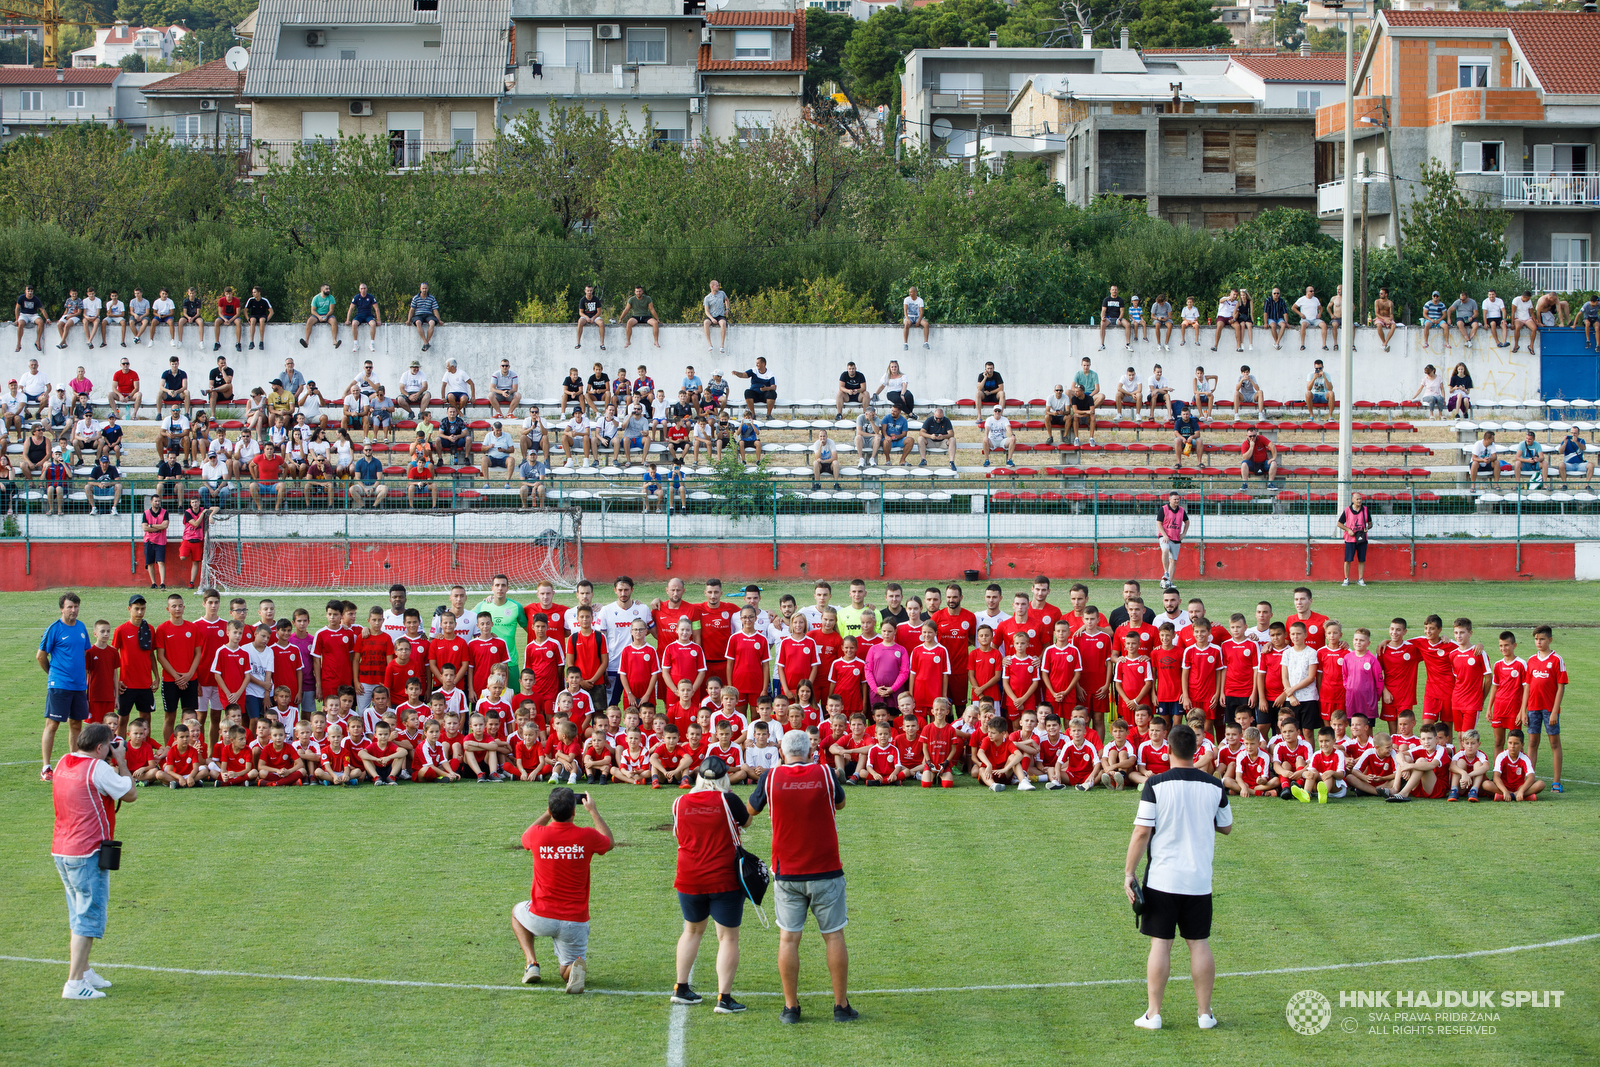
[
  {"x": 1279, "y": 227},
  {"x": 1178, "y": 24},
  {"x": 985, "y": 281},
  {"x": 133, "y": 64},
  {"x": 1332, "y": 40},
  {"x": 1291, "y": 269},
  {"x": 828, "y": 33},
  {"x": 1460, "y": 235},
  {"x": 875, "y": 56},
  {"x": 559, "y": 159}
]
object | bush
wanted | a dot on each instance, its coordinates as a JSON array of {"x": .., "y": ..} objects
[
  {"x": 1290, "y": 269},
  {"x": 534, "y": 309},
  {"x": 1162, "y": 258},
  {"x": 987, "y": 282},
  {"x": 817, "y": 300}
]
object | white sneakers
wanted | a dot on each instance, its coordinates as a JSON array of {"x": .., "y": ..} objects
[
  {"x": 530, "y": 975},
  {"x": 1025, "y": 786},
  {"x": 1148, "y": 1022},
  {"x": 94, "y": 979},
  {"x": 80, "y": 990},
  {"x": 575, "y": 977},
  {"x": 1208, "y": 1021}
]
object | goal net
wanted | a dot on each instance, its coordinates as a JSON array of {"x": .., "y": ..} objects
[{"x": 359, "y": 553}]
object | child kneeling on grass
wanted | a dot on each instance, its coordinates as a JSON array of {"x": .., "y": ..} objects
[{"x": 1513, "y": 772}]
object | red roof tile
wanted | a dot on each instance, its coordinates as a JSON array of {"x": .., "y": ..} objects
[
  {"x": 70, "y": 76},
  {"x": 1295, "y": 68},
  {"x": 1209, "y": 51},
  {"x": 797, "y": 46},
  {"x": 214, "y": 77},
  {"x": 749, "y": 18},
  {"x": 1562, "y": 47}
]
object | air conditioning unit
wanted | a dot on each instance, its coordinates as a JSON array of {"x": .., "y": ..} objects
[
  {"x": 317, "y": 39},
  {"x": 705, "y": 34},
  {"x": 208, "y": 105},
  {"x": 361, "y": 108},
  {"x": 608, "y": 31}
]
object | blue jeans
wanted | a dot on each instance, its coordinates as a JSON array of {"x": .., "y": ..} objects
[
  {"x": 88, "y": 889},
  {"x": 220, "y": 498}
]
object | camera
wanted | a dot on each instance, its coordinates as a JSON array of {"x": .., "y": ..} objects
[{"x": 581, "y": 798}]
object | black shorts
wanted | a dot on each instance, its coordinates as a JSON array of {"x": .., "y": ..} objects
[
  {"x": 1266, "y": 719},
  {"x": 257, "y": 318},
  {"x": 498, "y": 461},
  {"x": 154, "y": 553},
  {"x": 423, "y": 318},
  {"x": 173, "y": 698},
  {"x": 725, "y": 908},
  {"x": 634, "y": 320},
  {"x": 1355, "y": 550},
  {"x": 716, "y": 318},
  {"x": 985, "y": 397},
  {"x": 360, "y": 319},
  {"x": 1257, "y": 468},
  {"x": 1309, "y": 715},
  {"x": 1232, "y": 706},
  {"x": 1166, "y": 914},
  {"x": 1055, "y": 418},
  {"x": 761, "y": 394},
  {"x": 143, "y": 699}
]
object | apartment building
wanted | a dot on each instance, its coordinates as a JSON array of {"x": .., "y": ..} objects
[
  {"x": 33, "y": 100},
  {"x": 202, "y": 107},
  {"x": 426, "y": 75},
  {"x": 114, "y": 43},
  {"x": 1510, "y": 101}
]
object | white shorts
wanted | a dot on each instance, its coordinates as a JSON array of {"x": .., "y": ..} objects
[
  {"x": 210, "y": 699},
  {"x": 364, "y": 696},
  {"x": 571, "y": 939},
  {"x": 26, "y": 319},
  {"x": 1170, "y": 548}
]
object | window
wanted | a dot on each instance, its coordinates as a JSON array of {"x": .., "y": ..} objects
[
  {"x": 74, "y": 97},
  {"x": 32, "y": 100},
  {"x": 560, "y": 47},
  {"x": 1519, "y": 76},
  {"x": 1569, "y": 247},
  {"x": 955, "y": 82},
  {"x": 752, "y": 125},
  {"x": 347, "y": 55},
  {"x": 1230, "y": 152},
  {"x": 1175, "y": 142},
  {"x": 752, "y": 44},
  {"x": 186, "y": 128},
  {"x": 463, "y": 133},
  {"x": 405, "y": 137},
  {"x": 671, "y": 126},
  {"x": 647, "y": 46},
  {"x": 1472, "y": 72},
  {"x": 1482, "y": 157},
  {"x": 1308, "y": 99},
  {"x": 318, "y": 126}
]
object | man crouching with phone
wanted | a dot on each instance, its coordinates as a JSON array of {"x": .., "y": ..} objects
[{"x": 559, "y": 905}]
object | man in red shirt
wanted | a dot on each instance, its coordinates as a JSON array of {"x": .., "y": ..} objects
[
  {"x": 1257, "y": 455},
  {"x": 558, "y": 906},
  {"x": 1471, "y": 669},
  {"x": 958, "y": 628},
  {"x": 667, "y": 612},
  {"x": 178, "y": 645},
  {"x": 1042, "y": 614},
  {"x": 555, "y": 614},
  {"x": 717, "y": 623},
  {"x": 136, "y": 664},
  {"x": 1316, "y": 625}
]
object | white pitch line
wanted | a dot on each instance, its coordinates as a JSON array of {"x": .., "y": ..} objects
[
  {"x": 1080, "y": 984},
  {"x": 677, "y": 1020}
]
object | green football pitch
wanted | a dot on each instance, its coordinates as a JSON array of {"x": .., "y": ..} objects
[{"x": 315, "y": 926}]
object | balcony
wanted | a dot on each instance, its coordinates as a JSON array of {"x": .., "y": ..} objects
[
  {"x": 405, "y": 155},
  {"x": 644, "y": 79},
  {"x": 1330, "y": 197},
  {"x": 996, "y": 143},
  {"x": 1561, "y": 277},
  {"x": 1551, "y": 189},
  {"x": 971, "y": 100}
]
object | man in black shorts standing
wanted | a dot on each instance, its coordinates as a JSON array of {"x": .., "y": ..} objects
[
  {"x": 763, "y": 387},
  {"x": 589, "y": 314},
  {"x": 991, "y": 388},
  {"x": 852, "y": 390},
  {"x": 640, "y": 310},
  {"x": 1180, "y": 813},
  {"x": 364, "y": 312},
  {"x": 258, "y": 310}
]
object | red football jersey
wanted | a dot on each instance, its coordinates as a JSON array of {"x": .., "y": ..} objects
[
  {"x": 212, "y": 635},
  {"x": 397, "y": 674},
  {"x": 485, "y": 654},
  {"x": 526, "y": 756},
  {"x": 1043, "y": 618},
  {"x": 1330, "y": 680},
  {"x": 997, "y": 752},
  {"x": 717, "y": 623},
  {"x": 984, "y": 666},
  {"x": 181, "y": 761},
  {"x": 1316, "y": 628},
  {"x": 1545, "y": 674},
  {"x": 1168, "y": 666},
  {"x": 1156, "y": 759},
  {"x": 1251, "y": 771},
  {"x": 666, "y": 619},
  {"x": 1133, "y": 674},
  {"x": 279, "y": 759},
  {"x": 1240, "y": 660},
  {"x": 957, "y": 631},
  {"x": 333, "y": 649},
  {"x": 747, "y": 659},
  {"x": 1509, "y": 678},
  {"x": 1060, "y": 665},
  {"x": 909, "y": 751},
  {"x": 1149, "y": 638},
  {"x": 448, "y": 652},
  {"x": 1468, "y": 665},
  {"x": 374, "y": 652},
  {"x": 639, "y": 664},
  {"x": 830, "y": 648},
  {"x": 930, "y": 670},
  {"x": 846, "y": 680},
  {"x": 546, "y": 660},
  {"x": 1400, "y": 675},
  {"x": 102, "y": 664},
  {"x": 1272, "y": 671},
  {"x": 682, "y": 661},
  {"x": 1006, "y": 631},
  {"x": 1436, "y": 660},
  {"x": 1292, "y": 756},
  {"x": 797, "y": 658},
  {"x": 1202, "y": 664},
  {"x": 1378, "y": 768},
  {"x": 937, "y": 744},
  {"x": 1094, "y": 651},
  {"x": 181, "y": 643},
  {"x": 556, "y": 615},
  {"x": 288, "y": 668},
  {"x": 230, "y": 759},
  {"x": 133, "y": 661},
  {"x": 1513, "y": 771},
  {"x": 231, "y": 666},
  {"x": 1323, "y": 762},
  {"x": 1021, "y": 675},
  {"x": 884, "y": 759},
  {"x": 137, "y": 756},
  {"x": 1079, "y": 757}
]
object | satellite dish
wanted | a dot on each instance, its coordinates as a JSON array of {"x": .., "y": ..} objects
[
  {"x": 942, "y": 127},
  {"x": 237, "y": 58}
]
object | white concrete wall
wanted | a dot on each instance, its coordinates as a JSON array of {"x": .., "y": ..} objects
[{"x": 807, "y": 359}]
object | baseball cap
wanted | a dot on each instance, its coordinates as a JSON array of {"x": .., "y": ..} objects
[
  {"x": 712, "y": 768},
  {"x": 135, "y": 599},
  {"x": 276, "y": 381},
  {"x": 12, "y": 382},
  {"x": 416, "y": 363},
  {"x": 1436, "y": 292}
]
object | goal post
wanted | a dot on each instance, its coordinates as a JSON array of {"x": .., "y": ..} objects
[{"x": 369, "y": 553}]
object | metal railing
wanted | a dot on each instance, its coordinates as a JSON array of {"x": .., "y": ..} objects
[
  {"x": 1552, "y": 189},
  {"x": 969, "y": 100},
  {"x": 882, "y": 509},
  {"x": 1560, "y": 277},
  {"x": 403, "y": 154}
]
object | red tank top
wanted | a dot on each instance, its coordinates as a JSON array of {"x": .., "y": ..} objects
[
  {"x": 84, "y": 815},
  {"x": 805, "y": 840},
  {"x": 706, "y": 837}
]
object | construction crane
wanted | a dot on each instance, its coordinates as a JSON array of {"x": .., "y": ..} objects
[{"x": 47, "y": 14}]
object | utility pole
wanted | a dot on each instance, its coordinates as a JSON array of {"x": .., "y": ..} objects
[
  {"x": 1366, "y": 184},
  {"x": 1347, "y": 335}
]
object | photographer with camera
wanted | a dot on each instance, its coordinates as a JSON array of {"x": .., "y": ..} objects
[
  {"x": 1180, "y": 813},
  {"x": 86, "y": 789},
  {"x": 1355, "y": 524},
  {"x": 559, "y": 905},
  {"x": 706, "y": 823}
]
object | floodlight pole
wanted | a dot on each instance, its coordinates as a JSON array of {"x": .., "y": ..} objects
[{"x": 1348, "y": 310}]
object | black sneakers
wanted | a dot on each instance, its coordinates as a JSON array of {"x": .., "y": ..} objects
[
  {"x": 682, "y": 994},
  {"x": 790, "y": 1015},
  {"x": 726, "y": 1005},
  {"x": 845, "y": 1014}
]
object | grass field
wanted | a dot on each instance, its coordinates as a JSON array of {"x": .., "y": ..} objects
[{"x": 983, "y": 928}]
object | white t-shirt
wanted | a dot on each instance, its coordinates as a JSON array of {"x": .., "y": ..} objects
[
  {"x": 261, "y": 662},
  {"x": 33, "y": 384},
  {"x": 312, "y": 408},
  {"x": 765, "y": 758},
  {"x": 1125, "y": 387},
  {"x": 116, "y": 309},
  {"x": 898, "y": 384},
  {"x": 1156, "y": 383},
  {"x": 998, "y": 427},
  {"x": 91, "y": 306},
  {"x": 991, "y": 621},
  {"x": 162, "y": 306},
  {"x": 1521, "y": 309},
  {"x": 394, "y": 624},
  {"x": 1309, "y": 307},
  {"x": 213, "y": 470},
  {"x": 1183, "y": 807},
  {"x": 1178, "y": 621},
  {"x": 413, "y": 381},
  {"x": 913, "y": 306},
  {"x": 455, "y": 381},
  {"x": 1226, "y": 309},
  {"x": 1494, "y": 308},
  {"x": 1190, "y": 313},
  {"x": 1296, "y": 662},
  {"x": 616, "y": 622}
]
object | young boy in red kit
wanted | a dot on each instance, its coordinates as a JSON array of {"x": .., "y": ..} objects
[
  {"x": 1510, "y": 680},
  {"x": 882, "y": 763},
  {"x": 633, "y": 762},
  {"x": 597, "y": 752},
  {"x": 930, "y": 671},
  {"x": 986, "y": 666},
  {"x": 1154, "y": 756},
  {"x": 278, "y": 763},
  {"x": 1324, "y": 775},
  {"x": 1021, "y": 680},
  {"x": 1059, "y": 670},
  {"x": 1095, "y": 652},
  {"x": 433, "y": 762},
  {"x": 1513, "y": 773},
  {"x": 543, "y": 664},
  {"x": 1290, "y": 754},
  {"x": 1468, "y": 769},
  {"x": 1079, "y": 764},
  {"x": 486, "y": 653},
  {"x": 1202, "y": 672},
  {"x": 996, "y": 760},
  {"x": 669, "y": 762},
  {"x": 939, "y": 748},
  {"x": 1373, "y": 772},
  {"x": 1437, "y": 653},
  {"x": 1426, "y": 768},
  {"x": 1024, "y": 741},
  {"x": 1250, "y": 774},
  {"x": 382, "y": 759},
  {"x": 181, "y": 765},
  {"x": 847, "y": 678},
  {"x": 908, "y": 743},
  {"x": 1135, "y": 680},
  {"x": 849, "y": 754}
]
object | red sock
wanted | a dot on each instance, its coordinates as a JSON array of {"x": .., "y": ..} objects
[
  {"x": 927, "y": 784},
  {"x": 948, "y": 785}
]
